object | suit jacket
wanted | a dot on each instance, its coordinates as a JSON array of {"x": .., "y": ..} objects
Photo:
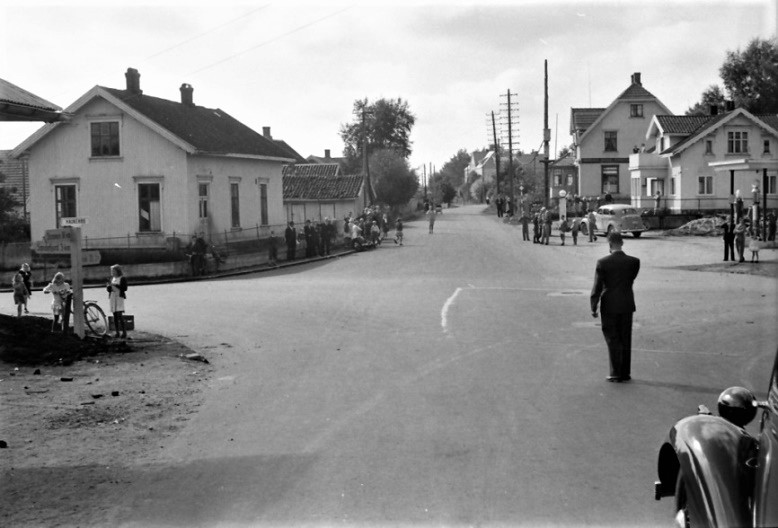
[
  {"x": 613, "y": 280},
  {"x": 291, "y": 236}
]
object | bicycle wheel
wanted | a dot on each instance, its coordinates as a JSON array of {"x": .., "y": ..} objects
[{"x": 95, "y": 319}]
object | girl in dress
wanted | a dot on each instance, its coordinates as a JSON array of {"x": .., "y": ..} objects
[
  {"x": 27, "y": 279},
  {"x": 116, "y": 296},
  {"x": 59, "y": 290}
]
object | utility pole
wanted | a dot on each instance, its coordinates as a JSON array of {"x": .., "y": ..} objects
[
  {"x": 368, "y": 190},
  {"x": 510, "y": 152},
  {"x": 546, "y": 135},
  {"x": 496, "y": 158}
]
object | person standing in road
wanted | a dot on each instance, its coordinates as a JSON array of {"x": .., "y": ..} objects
[
  {"x": 729, "y": 239},
  {"x": 432, "y": 219},
  {"x": 524, "y": 226},
  {"x": 591, "y": 226},
  {"x": 574, "y": 228},
  {"x": 290, "y": 235},
  {"x": 117, "y": 288},
  {"x": 612, "y": 291},
  {"x": 398, "y": 231},
  {"x": 740, "y": 238},
  {"x": 27, "y": 279},
  {"x": 545, "y": 217}
]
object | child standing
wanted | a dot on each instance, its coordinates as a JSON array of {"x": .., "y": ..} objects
[
  {"x": 20, "y": 293},
  {"x": 574, "y": 230},
  {"x": 398, "y": 231},
  {"x": 753, "y": 246},
  {"x": 27, "y": 279},
  {"x": 59, "y": 290},
  {"x": 563, "y": 228},
  {"x": 116, "y": 296}
]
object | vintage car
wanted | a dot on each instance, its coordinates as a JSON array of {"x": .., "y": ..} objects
[
  {"x": 618, "y": 217},
  {"x": 719, "y": 473}
]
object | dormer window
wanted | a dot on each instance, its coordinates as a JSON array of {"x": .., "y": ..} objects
[
  {"x": 636, "y": 110},
  {"x": 737, "y": 142},
  {"x": 105, "y": 139}
]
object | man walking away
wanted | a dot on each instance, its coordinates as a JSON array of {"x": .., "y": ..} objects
[{"x": 612, "y": 291}]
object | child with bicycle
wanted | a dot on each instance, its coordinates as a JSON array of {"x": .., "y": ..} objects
[{"x": 60, "y": 292}]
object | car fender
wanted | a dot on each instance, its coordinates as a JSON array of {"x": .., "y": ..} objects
[{"x": 711, "y": 453}]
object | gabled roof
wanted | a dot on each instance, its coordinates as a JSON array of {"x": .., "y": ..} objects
[
  {"x": 319, "y": 187},
  {"x": 767, "y": 122},
  {"x": 672, "y": 124},
  {"x": 327, "y": 170},
  {"x": 292, "y": 152},
  {"x": 566, "y": 161},
  {"x": 582, "y": 118},
  {"x": 17, "y": 104},
  {"x": 324, "y": 159},
  {"x": 633, "y": 92},
  {"x": 194, "y": 129}
]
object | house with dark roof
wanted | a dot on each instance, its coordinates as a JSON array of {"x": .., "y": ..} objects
[
  {"x": 702, "y": 162},
  {"x": 604, "y": 138},
  {"x": 315, "y": 191},
  {"x": 142, "y": 169},
  {"x": 17, "y": 104}
]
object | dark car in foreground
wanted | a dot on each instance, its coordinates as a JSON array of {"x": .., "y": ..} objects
[{"x": 720, "y": 474}]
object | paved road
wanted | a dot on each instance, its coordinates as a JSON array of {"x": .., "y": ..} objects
[{"x": 458, "y": 380}]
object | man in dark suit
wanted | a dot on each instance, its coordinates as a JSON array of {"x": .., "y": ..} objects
[
  {"x": 612, "y": 290},
  {"x": 729, "y": 239},
  {"x": 291, "y": 240}
]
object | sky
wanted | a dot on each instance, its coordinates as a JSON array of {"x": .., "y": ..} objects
[{"x": 299, "y": 66}]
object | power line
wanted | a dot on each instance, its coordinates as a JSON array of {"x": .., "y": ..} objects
[
  {"x": 187, "y": 41},
  {"x": 279, "y": 37}
]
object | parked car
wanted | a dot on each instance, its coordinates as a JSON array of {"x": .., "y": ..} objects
[
  {"x": 618, "y": 217},
  {"x": 719, "y": 473}
]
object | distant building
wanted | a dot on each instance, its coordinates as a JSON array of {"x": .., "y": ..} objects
[
  {"x": 563, "y": 176},
  {"x": 314, "y": 191},
  {"x": 604, "y": 138}
]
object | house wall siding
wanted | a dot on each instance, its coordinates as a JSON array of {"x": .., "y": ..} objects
[{"x": 631, "y": 132}]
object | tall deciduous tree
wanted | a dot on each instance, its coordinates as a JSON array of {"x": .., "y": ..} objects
[
  {"x": 384, "y": 124},
  {"x": 453, "y": 171},
  {"x": 393, "y": 180},
  {"x": 751, "y": 76},
  {"x": 712, "y": 96}
]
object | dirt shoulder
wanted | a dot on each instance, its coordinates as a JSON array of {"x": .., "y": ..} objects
[{"x": 76, "y": 416}]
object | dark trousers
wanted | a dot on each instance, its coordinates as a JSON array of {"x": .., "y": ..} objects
[
  {"x": 617, "y": 330},
  {"x": 729, "y": 249},
  {"x": 525, "y": 232},
  {"x": 290, "y": 252}
]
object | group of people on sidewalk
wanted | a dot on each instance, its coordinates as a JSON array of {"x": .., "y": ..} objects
[
  {"x": 734, "y": 236},
  {"x": 317, "y": 236}
]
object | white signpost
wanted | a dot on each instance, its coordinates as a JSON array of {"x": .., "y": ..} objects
[{"x": 68, "y": 241}]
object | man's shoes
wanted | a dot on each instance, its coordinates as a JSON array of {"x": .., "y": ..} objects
[{"x": 613, "y": 379}]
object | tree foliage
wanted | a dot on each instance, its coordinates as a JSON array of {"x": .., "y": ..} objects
[
  {"x": 387, "y": 125},
  {"x": 393, "y": 180},
  {"x": 713, "y": 95},
  {"x": 751, "y": 76},
  {"x": 453, "y": 171}
]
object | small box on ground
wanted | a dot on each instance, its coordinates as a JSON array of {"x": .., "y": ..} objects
[{"x": 129, "y": 323}]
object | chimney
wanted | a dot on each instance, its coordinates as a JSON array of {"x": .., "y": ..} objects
[
  {"x": 713, "y": 109},
  {"x": 326, "y": 153},
  {"x": 729, "y": 105},
  {"x": 636, "y": 78},
  {"x": 266, "y": 132},
  {"x": 133, "y": 81},
  {"x": 186, "y": 94}
]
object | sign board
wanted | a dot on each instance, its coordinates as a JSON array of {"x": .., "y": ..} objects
[{"x": 73, "y": 221}]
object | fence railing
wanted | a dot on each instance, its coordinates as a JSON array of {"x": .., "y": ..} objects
[{"x": 164, "y": 240}]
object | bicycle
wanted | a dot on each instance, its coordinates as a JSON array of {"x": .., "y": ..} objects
[{"x": 95, "y": 319}]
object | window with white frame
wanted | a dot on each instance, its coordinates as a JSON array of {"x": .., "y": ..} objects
[
  {"x": 737, "y": 142},
  {"x": 673, "y": 185},
  {"x": 610, "y": 179},
  {"x": 765, "y": 146},
  {"x": 771, "y": 183},
  {"x": 557, "y": 177},
  {"x": 263, "y": 214},
  {"x": 105, "y": 139},
  {"x": 235, "y": 203},
  {"x": 64, "y": 202},
  {"x": 202, "y": 200},
  {"x": 705, "y": 185},
  {"x": 636, "y": 110},
  {"x": 709, "y": 146}
]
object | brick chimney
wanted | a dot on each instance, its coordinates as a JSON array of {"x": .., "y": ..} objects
[
  {"x": 186, "y": 94},
  {"x": 326, "y": 153},
  {"x": 133, "y": 81},
  {"x": 636, "y": 79},
  {"x": 266, "y": 132}
]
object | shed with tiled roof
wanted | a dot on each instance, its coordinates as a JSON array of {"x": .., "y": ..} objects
[{"x": 314, "y": 191}]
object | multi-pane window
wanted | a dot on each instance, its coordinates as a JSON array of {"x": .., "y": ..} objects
[
  {"x": 557, "y": 177},
  {"x": 610, "y": 179},
  {"x": 737, "y": 142},
  {"x": 105, "y": 139},
  {"x": 235, "y": 204},
  {"x": 636, "y": 110},
  {"x": 610, "y": 141},
  {"x": 65, "y": 202},
  {"x": 149, "y": 218},
  {"x": 569, "y": 180},
  {"x": 705, "y": 185},
  {"x": 202, "y": 200},
  {"x": 263, "y": 218}
]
